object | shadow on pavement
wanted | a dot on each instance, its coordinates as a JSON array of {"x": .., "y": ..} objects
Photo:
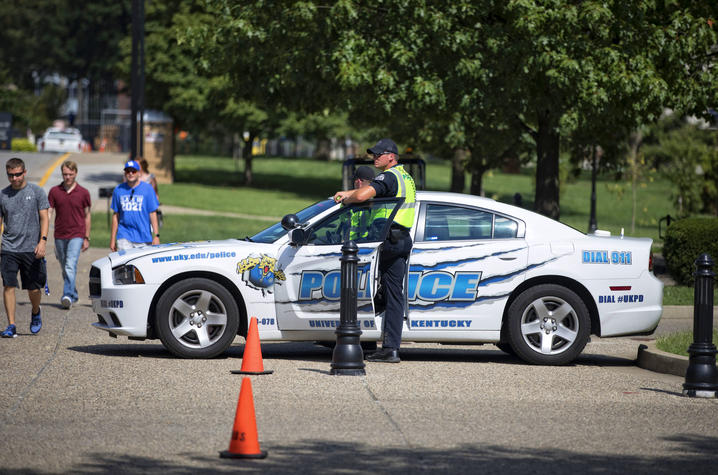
[
  {"x": 308, "y": 351},
  {"x": 127, "y": 351},
  {"x": 691, "y": 454}
]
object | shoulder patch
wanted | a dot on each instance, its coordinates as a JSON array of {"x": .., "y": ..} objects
[{"x": 380, "y": 177}]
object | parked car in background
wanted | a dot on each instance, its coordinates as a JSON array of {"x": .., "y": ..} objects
[{"x": 57, "y": 139}]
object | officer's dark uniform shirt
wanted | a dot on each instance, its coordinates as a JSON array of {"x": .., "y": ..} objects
[{"x": 385, "y": 185}]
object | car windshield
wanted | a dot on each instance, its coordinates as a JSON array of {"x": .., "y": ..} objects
[{"x": 276, "y": 231}]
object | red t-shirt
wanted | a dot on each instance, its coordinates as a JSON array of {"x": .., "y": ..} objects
[{"x": 69, "y": 210}]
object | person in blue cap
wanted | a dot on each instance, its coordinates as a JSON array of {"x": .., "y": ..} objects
[
  {"x": 134, "y": 202},
  {"x": 394, "y": 181}
]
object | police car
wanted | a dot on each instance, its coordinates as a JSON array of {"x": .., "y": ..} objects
[{"x": 480, "y": 271}]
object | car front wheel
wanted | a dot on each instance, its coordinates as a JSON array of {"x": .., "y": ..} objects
[
  {"x": 197, "y": 318},
  {"x": 549, "y": 325}
]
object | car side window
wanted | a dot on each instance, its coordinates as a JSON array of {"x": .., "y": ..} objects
[
  {"x": 452, "y": 223},
  {"x": 357, "y": 223}
]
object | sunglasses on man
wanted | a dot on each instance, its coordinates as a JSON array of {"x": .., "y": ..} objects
[{"x": 15, "y": 175}]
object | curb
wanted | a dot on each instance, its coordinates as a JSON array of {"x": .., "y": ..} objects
[{"x": 653, "y": 359}]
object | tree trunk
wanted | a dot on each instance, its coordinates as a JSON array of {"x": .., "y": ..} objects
[
  {"x": 477, "y": 185},
  {"x": 236, "y": 150},
  {"x": 477, "y": 169},
  {"x": 324, "y": 149},
  {"x": 634, "y": 142},
  {"x": 457, "y": 170},
  {"x": 247, "y": 155},
  {"x": 547, "y": 170}
]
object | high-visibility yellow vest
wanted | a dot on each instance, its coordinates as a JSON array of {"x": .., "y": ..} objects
[
  {"x": 407, "y": 190},
  {"x": 359, "y": 224}
]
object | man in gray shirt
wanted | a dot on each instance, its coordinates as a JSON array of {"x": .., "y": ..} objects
[{"x": 23, "y": 211}]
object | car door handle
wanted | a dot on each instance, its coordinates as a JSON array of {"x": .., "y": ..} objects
[{"x": 507, "y": 258}]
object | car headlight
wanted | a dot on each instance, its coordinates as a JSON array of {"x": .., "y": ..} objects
[{"x": 127, "y": 274}]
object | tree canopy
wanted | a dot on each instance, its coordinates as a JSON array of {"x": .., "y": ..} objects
[
  {"x": 483, "y": 76},
  {"x": 471, "y": 74}
]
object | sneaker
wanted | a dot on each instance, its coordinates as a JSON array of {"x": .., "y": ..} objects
[
  {"x": 9, "y": 332},
  {"x": 66, "y": 301},
  {"x": 36, "y": 322}
]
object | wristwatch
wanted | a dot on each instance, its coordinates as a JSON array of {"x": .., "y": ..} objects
[
  {"x": 44, "y": 238},
  {"x": 88, "y": 238},
  {"x": 157, "y": 235}
]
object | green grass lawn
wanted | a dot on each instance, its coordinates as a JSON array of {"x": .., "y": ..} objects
[
  {"x": 184, "y": 228},
  {"x": 682, "y": 295},
  {"x": 678, "y": 343},
  {"x": 284, "y": 185}
]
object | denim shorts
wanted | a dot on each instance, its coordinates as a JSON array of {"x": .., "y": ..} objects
[{"x": 32, "y": 270}]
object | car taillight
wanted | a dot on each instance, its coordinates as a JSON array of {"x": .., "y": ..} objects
[{"x": 650, "y": 261}]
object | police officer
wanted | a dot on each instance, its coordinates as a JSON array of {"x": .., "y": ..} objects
[
  {"x": 358, "y": 229},
  {"x": 394, "y": 181}
]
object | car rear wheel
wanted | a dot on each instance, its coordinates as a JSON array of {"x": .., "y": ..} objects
[
  {"x": 549, "y": 325},
  {"x": 197, "y": 318}
]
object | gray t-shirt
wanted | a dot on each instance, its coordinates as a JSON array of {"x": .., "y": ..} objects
[{"x": 21, "y": 217}]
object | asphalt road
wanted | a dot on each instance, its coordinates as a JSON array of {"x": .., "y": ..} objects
[
  {"x": 74, "y": 400},
  {"x": 95, "y": 170}
]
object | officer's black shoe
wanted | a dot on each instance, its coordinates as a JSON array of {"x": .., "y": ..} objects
[{"x": 385, "y": 355}]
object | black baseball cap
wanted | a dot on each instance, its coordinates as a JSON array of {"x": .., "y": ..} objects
[
  {"x": 383, "y": 146},
  {"x": 363, "y": 172}
]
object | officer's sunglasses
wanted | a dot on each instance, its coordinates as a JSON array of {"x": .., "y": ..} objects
[
  {"x": 15, "y": 175},
  {"x": 377, "y": 155}
]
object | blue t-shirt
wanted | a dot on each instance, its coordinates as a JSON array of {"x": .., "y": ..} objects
[{"x": 133, "y": 206}]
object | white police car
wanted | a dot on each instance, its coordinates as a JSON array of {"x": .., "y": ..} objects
[{"x": 479, "y": 271}]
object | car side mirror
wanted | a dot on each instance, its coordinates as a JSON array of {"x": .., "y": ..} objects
[
  {"x": 290, "y": 222},
  {"x": 297, "y": 236}
]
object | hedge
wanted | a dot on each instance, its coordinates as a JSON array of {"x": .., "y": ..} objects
[
  {"x": 23, "y": 145},
  {"x": 687, "y": 239}
]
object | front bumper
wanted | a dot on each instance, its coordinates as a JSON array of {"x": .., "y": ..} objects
[{"x": 121, "y": 309}]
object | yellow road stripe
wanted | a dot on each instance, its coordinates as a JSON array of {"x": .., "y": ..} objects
[{"x": 49, "y": 171}]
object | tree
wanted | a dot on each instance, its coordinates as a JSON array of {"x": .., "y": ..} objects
[
  {"x": 468, "y": 66},
  {"x": 686, "y": 154},
  {"x": 43, "y": 39}
]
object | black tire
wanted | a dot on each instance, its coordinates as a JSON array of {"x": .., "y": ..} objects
[
  {"x": 506, "y": 348},
  {"x": 197, "y": 318},
  {"x": 548, "y": 325}
]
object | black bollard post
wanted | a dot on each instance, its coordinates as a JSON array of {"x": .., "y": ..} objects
[
  {"x": 702, "y": 375},
  {"x": 348, "y": 358}
]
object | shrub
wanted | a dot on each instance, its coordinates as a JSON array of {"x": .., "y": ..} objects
[
  {"x": 23, "y": 145},
  {"x": 685, "y": 241}
]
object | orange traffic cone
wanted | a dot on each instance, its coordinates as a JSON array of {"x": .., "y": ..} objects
[
  {"x": 244, "y": 443},
  {"x": 252, "y": 357}
]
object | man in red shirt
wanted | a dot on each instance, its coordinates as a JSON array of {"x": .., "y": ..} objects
[{"x": 71, "y": 204}]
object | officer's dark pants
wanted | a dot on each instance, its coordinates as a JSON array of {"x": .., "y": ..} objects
[{"x": 392, "y": 265}]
